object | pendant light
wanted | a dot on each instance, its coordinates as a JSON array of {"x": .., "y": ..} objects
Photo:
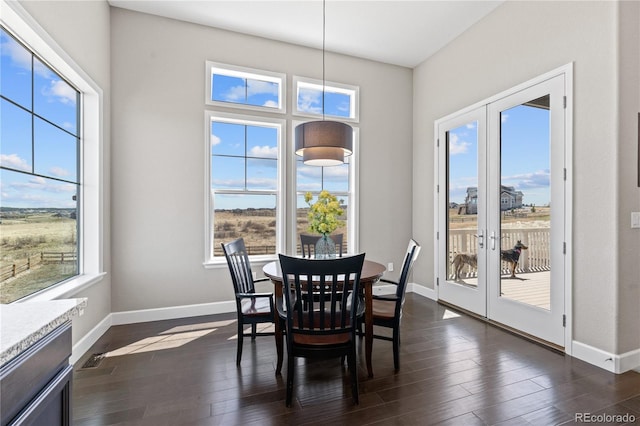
[{"x": 325, "y": 142}]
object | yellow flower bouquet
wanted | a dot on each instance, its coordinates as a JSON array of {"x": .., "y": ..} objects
[{"x": 323, "y": 214}]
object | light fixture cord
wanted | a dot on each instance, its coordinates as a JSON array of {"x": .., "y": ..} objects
[{"x": 324, "y": 13}]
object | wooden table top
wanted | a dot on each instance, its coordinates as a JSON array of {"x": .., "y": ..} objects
[{"x": 370, "y": 270}]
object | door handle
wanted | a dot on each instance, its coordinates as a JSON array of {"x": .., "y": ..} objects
[
  {"x": 493, "y": 240},
  {"x": 480, "y": 238}
]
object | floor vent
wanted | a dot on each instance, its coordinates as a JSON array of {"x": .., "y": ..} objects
[{"x": 94, "y": 360}]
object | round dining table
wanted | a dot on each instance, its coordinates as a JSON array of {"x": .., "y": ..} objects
[{"x": 371, "y": 273}]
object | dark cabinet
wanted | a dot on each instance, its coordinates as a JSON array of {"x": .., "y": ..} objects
[{"x": 35, "y": 386}]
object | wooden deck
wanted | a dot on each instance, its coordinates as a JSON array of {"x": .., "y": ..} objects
[{"x": 528, "y": 287}]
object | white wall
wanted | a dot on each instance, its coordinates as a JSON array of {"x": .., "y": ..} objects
[
  {"x": 515, "y": 43},
  {"x": 158, "y": 90},
  {"x": 82, "y": 30},
  {"x": 628, "y": 190}
]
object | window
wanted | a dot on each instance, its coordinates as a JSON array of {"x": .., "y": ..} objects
[
  {"x": 340, "y": 100},
  {"x": 50, "y": 169},
  {"x": 232, "y": 86},
  {"x": 247, "y": 160},
  {"x": 245, "y": 183},
  {"x": 339, "y": 181}
]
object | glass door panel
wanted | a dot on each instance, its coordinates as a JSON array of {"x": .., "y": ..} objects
[
  {"x": 462, "y": 140},
  {"x": 526, "y": 210},
  {"x": 525, "y": 203}
]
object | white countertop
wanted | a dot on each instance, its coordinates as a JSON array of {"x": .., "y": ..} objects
[{"x": 23, "y": 324}]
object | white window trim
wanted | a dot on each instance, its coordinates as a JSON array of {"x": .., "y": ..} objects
[
  {"x": 330, "y": 86},
  {"x": 280, "y": 124},
  {"x": 244, "y": 72},
  {"x": 91, "y": 271},
  {"x": 353, "y": 212}
]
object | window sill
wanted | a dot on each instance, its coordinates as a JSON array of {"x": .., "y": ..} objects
[
  {"x": 222, "y": 262},
  {"x": 65, "y": 289}
]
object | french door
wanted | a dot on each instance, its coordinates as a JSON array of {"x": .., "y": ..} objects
[{"x": 501, "y": 209}]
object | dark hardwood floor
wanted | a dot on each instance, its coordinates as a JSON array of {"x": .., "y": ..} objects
[{"x": 455, "y": 370}]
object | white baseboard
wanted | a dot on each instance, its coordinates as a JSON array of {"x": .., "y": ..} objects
[
  {"x": 614, "y": 363},
  {"x": 172, "y": 312},
  {"x": 84, "y": 344},
  {"x": 422, "y": 291}
]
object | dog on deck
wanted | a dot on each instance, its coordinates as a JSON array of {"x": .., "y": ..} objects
[
  {"x": 461, "y": 259},
  {"x": 512, "y": 256}
]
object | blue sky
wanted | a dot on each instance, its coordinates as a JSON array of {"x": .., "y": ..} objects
[
  {"x": 524, "y": 155},
  {"x": 48, "y": 147}
]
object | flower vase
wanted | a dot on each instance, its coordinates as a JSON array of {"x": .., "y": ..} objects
[{"x": 325, "y": 248}]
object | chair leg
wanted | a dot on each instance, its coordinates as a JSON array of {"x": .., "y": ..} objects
[
  {"x": 351, "y": 361},
  {"x": 253, "y": 331},
  {"x": 290, "y": 368},
  {"x": 239, "y": 351},
  {"x": 396, "y": 348}
]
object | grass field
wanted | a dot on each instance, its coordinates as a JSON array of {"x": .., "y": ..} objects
[
  {"x": 23, "y": 239},
  {"x": 257, "y": 227},
  {"x": 520, "y": 218}
]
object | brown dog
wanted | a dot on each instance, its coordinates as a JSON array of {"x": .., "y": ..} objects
[{"x": 461, "y": 259}]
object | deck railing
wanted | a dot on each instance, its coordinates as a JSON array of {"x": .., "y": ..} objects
[{"x": 536, "y": 258}]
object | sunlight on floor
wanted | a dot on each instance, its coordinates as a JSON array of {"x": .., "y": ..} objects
[
  {"x": 171, "y": 338},
  {"x": 261, "y": 328},
  {"x": 449, "y": 314}
]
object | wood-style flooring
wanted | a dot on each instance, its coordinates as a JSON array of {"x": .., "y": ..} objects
[{"x": 455, "y": 370}]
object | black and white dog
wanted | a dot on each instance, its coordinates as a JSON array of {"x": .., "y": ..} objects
[{"x": 512, "y": 256}]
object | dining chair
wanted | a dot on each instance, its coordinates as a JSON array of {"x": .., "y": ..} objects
[
  {"x": 308, "y": 244},
  {"x": 252, "y": 308},
  {"x": 323, "y": 326},
  {"x": 387, "y": 308}
]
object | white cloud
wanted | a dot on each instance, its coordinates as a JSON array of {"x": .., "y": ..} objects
[
  {"x": 60, "y": 90},
  {"x": 537, "y": 179},
  {"x": 504, "y": 117},
  {"x": 215, "y": 140},
  {"x": 228, "y": 183},
  {"x": 20, "y": 57},
  {"x": 310, "y": 101},
  {"x": 471, "y": 125},
  {"x": 14, "y": 161},
  {"x": 254, "y": 87},
  {"x": 59, "y": 172},
  {"x": 457, "y": 146},
  {"x": 257, "y": 87},
  {"x": 270, "y": 104},
  {"x": 264, "y": 151}
]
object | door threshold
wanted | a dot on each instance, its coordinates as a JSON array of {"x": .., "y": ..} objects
[{"x": 527, "y": 336}]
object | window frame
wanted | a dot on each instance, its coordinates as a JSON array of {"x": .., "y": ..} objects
[
  {"x": 280, "y": 124},
  {"x": 245, "y": 72},
  {"x": 24, "y": 28},
  {"x": 329, "y": 86}
]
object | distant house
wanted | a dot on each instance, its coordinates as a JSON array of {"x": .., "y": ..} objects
[{"x": 509, "y": 199}]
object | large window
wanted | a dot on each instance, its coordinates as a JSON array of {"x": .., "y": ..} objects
[
  {"x": 39, "y": 159},
  {"x": 50, "y": 171},
  {"x": 245, "y": 182},
  {"x": 247, "y": 160},
  {"x": 338, "y": 181}
]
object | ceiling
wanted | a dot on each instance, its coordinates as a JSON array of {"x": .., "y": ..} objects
[{"x": 397, "y": 32}]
